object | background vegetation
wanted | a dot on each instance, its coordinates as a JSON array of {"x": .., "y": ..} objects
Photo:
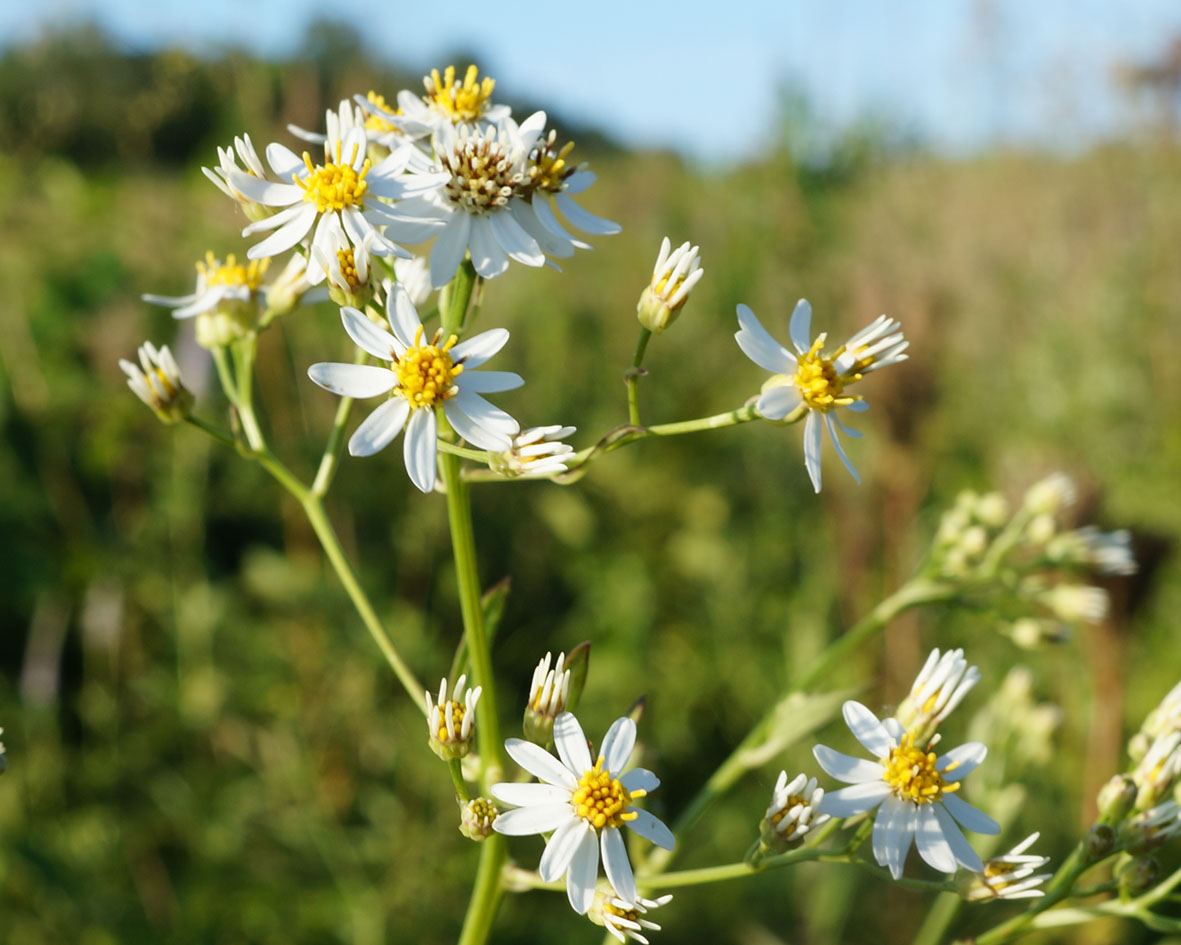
[{"x": 204, "y": 745}]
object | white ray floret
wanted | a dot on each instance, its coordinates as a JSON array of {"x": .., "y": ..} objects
[
  {"x": 939, "y": 687},
  {"x": 793, "y": 808},
  {"x": 157, "y": 382},
  {"x": 1011, "y": 876},
  {"x": 585, "y": 804},
  {"x": 536, "y": 452},
  {"x": 815, "y": 379},
  {"x": 627, "y": 920},
  {"x": 340, "y": 198},
  {"x": 913, "y": 790},
  {"x": 420, "y": 375}
]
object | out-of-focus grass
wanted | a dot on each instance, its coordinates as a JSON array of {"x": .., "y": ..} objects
[{"x": 204, "y": 745}]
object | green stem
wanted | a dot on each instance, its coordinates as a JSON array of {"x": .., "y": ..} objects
[
  {"x": 486, "y": 893},
  {"x": 479, "y": 456},
  {"x": 633, "y": 377},
  {"x": 330, "y": 459},
  {"x": 244, "y": 352},
  {"x": 225, "y": 374},
  {"x": 1058, "y": 889},
  {"x": 218, "y": 434},
  {"x": 318, "y": 518},
  {"x": 455, "y": 766},
  {"x": 937, "y": 920},
  {"x": 453, "y": 305}
]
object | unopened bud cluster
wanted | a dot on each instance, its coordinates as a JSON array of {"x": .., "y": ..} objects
[{"x": 475, "y": 820}]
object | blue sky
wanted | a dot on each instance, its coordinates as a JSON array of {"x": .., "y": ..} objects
[{"x": 704, "y": 78}]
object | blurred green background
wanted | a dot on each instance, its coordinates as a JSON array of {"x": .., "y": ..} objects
[{"x": 203, "y": 743}]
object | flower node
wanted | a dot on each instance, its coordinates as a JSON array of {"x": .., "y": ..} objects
[
  {"x": 464, "y": 101},
  {"x": 334, "y": 185},
  {"x": 600, "y": 798},
  {"x": 912, "y": 774},
  {"x": 426, "y": 373}
]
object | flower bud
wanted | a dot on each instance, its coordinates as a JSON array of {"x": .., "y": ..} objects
[
  {"x": 1100, "y": 841},
  {"x": 1008, "y": 876},
  {"x": 1032, "y": 633},
  {"x": 625, "y": 919},
  {"x": 992, "y": 509},
  {"x": 1116, "y": 798},
  {"x": 1138, "y": 876},
  {"x": 475, "y": 821},
  {"x": 791, "y": 813},
  {"x": 288, "y": 290},
  {"x": 452, "y": 721},
  {"x": 939, "y": 687},
  {"x": 538, "y": 451},
  {"x": 157, "y": 382},
  {"x": 1152, "y": 828},
  {"x": 1050, "y": 496},
  {"x": 222, "y": 326},
  {"x": 548, "y": 695},
  {"x": 673, "y": 278},
  {"x": 1077, "y": 603},
  {"x": 1159, "y": 769}
]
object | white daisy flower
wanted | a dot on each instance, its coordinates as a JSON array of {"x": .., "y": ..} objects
[
  {"x": 420, "y": 376},
  {"x": 536, "y": 452},
  {"x": 452, "y": 722},
  {"x": 337, "y": 199},
  {"x": 1010, "y": 876},
  {"x": 156, "y": 381},
  {"x": 939, "y": 687},
  {"x": 584, "y": 804},
  {"x": 811, "y": 379},
  {"x": 792, "y": 812},
  {"x": 673, "y": 278},
  {"x": 550, "y": 182},
  {"x": 448, "y": 102},
  {"x": 225, "y": 301},
  {"x": 485, "y": 168},
  {"x": 913, "y": 788},
  {"x": 227, "y": 167},
  {"x": 624, "y": 919}
]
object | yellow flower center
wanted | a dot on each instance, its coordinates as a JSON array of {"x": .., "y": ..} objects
[
  {"x": 912, "y": 775},
  {"x": 793, "y": 801},
  {"x": 549, "y": 169},
  {"x": 460, "y": 102},
  {"x": 348, "y": 267},
  {"x": 334, "y": 185},
  {"x": 600, "y": 799},
  {"x": 820, "y": 386},
  {"x": 426, "y": 373},
  {"x": 231, "y": 272},
  {"x": 483, "y": 175},
  {"x": 631, "y": 915},
  {"x": 456, "y": 712},
  {"x": 376, "y": 122}
]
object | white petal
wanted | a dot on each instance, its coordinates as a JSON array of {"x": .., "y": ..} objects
[
  {"x": 973, "y": 819},
  {"x": 758, "y": 345},
  {"x": 899, "y": 830},
  {"x": 778, "y": 402},
  {"x": 262, "y": 191},
  {"x": 530, "y": 795},
  {"x": 579, "y": 181},
  {"x": 515, "y": 241},
  {"x": 479, "y": 348},
  {"x": 616, "y": 864},
  {"x": 276, "y": 220},
  {"x": 545, "y": 216},
  {"x": 617, "y": 747},
  {"x": 894, "y": 729},
  {"x": 367, "y": 336},
  {"x": 853, "y": 800},
  {"x": 966, "y": 758},
  {"x": 639, "y": 779},
  {"x": 932, "y": 845},
  {"x": 450, "y": 245},
  {"x": 571, "y": 744},
  {"x": 551, "y": 245},
  {"x": 582, "y": 873},
  {"x": 967, "y": 857},
  {"x": 491, "y": 382},
  {"x": 485, "y": 414},
  {"x": 858, "y": 406},
  {"x": 540, "y": 763},
  {"x": 286, "y": 236},
  {"x": 832, "y": 433},
  {"x": 523, "y": 821},
  {"x": 881, "y": 833},
  {"x": 402, "y": 314},
  {"x": 471, "y": 431},
  {"x": 487, "y": 256},
  {"x": 353, "y": 380},
  {"x": 845, "y": 767},
  {"x": 587, "y": 222},
  {"x": 648, "y": 827},
  {"x": 812, "y": 437},
  {"x": 420, "y": 447},
  {"x": 283, "y": 160},
  {"x": 562, "y": 846},
  {"x": 867, "y": 729},
  {"x": 800, "y": 327},
  {"x": 378, "y": 430}
]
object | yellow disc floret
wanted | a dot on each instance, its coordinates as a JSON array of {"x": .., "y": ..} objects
[
  {"x": 460, "y": 102},
  {"x": 231, "y": 272},
  {"x": 600, "y": 799},
  {"x": 334, "y": 184},
  {"x": 453, "y": 711},
  {"x": 793, "y": 801},
  {"x": 348, "y": 267},
  {"x": 548, "y": 167},
  {"x": 377, "y": 122},
  {"x": 911, "y": 773},
  {"x": 820, "y": 386},
  {"x": 426, "y": 373}
]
